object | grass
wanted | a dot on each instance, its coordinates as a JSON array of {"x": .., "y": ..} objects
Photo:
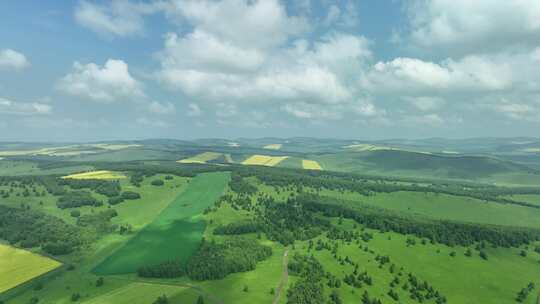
[
  {"x": 311, "y": 165},
  {"x": 18, "y": 266},
  {"x": 136, "y": 293},
  {"x": 273, "y": 146},
  {"x": 446, "y": 207},
  {"x": 464, "y": 280},
  {"x": 174, "y": 234},
  {"x": 17, "y": 168},
  {"x": 201, "y": 158},
  {"x": 529, "y": 198},
  {"x": 264, "y": 160},
  {"x": 102, "y": 174}
]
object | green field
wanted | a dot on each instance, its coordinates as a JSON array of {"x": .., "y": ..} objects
[
  {"x": 18, "y": 266},
  {"x": 464, "y": 280},
  {"x": 446, "y": 207},
  {"x": 174, "y": 234}
]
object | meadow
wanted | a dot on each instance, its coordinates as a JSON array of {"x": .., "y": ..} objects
[
  {"x": 168, "y": 222},
  {"x": 174, "y": 234},
  {"x": 18, "y": 266}
]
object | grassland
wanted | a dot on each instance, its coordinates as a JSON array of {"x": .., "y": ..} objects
[
  {"x": 18, "y": 266},
  {"x": 445, "y": 207},
  {"x": 201, "y": 158},
  {"x": 311, "y": 165},
  {"x": 264, "y": 160},
  {"x": 464, "y": 280},
  {"x": 18, "y": 168},
  {"x": 137, "y": 292},
  {"x": 174, "y": 234},
  {"x": 102, "y": 174},
  {"x": 273, "y": 146}
]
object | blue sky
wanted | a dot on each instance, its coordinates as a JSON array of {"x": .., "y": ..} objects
[{"x": 126, "y": 69}]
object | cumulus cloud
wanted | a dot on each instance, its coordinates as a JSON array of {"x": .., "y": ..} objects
[
  {"x": 23, "y": 108},
  {"x": 261, "y": 23},
  {"x": 117, "y": 18},
  {"x": 426, "y": 103},
  {"x": 12, "y": 60},
  {"x": 194, "y": 110},
  {"x": 111, "y": 82},
  {"x": 166, "y": 108},
  {"x": 462, "y": 26}
]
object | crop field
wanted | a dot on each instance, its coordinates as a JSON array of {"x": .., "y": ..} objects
[
  {"x": 273, "y": 146},
  {"x": 311, "y": 165},
  {"x": 102, "y": 174},
  {"x": 264, "y": 160},
  {"x": 200, "y": 158},
  {"x": 180, "y": 222},
  {"x": 18, "y": 266}
]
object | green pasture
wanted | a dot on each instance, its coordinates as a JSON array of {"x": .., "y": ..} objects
[{"x": 174, "y": 234}]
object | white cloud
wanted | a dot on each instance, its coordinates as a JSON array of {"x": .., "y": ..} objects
[
  {"x": 463, "y": 25},
  {"x": 12, "y": 60},
  {"x": 201, "y": 50},
  {"x": 515, "y": 110},
  {"x": 261, "y": 23},
  {"x": 472, "y": 73},
  {"x": 433, "y": 120},
  {"x": 109, "y": 83},
  {"x": 426, "y": 103},
  {"x": 21, "y": 108},
  {"x": 334, "y": 12},
  {"x": 156, "y": 123},
  {"x": 161, "y": 108},
  {"x": 194, "y": 110},
  {"x": 312, "y": 112},
  {"x": 117, "y": 18}
]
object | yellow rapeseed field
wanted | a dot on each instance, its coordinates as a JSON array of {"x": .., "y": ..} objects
[
  {"x": 273, "y": 146},
  {"x": 18, "y": 266},
  {"x": 264, "y": 160},
  {"x": 103, "y": 174},
  {"x": 200, "y": 158},
  {"x": 311, "y": 164}
]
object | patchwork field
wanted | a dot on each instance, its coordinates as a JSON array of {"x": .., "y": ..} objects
[
  {"x": 201, "y": 158},
  {"x": 103, "y": 174},
  {"x": 311, "y": 165},
  {"x": 180, "y": 222},
  {"x": 264, "y": 160},
  {"x": 273, "y": 146},
  {"x": 18, "y": 266}
]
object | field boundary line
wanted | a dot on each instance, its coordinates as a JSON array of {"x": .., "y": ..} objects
[{"x": 284, "y": 276}]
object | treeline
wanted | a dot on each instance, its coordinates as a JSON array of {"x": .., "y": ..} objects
[
  {"x": 75, "y": 199},
  {"x": 287, "y": 222},
  {"x": 214, "y": 261},
  {"x": 309, "y": 288},
  {"x": 107, "y": 188},
  {"x": 243, "y": 227},
  {"x": 368, "y": 186},
  {"x": 29, "y": 228},
  {"x": 100, "y": 222},
  {"x": 445, "y": 232},
  {"x": 168, "y": 269}
]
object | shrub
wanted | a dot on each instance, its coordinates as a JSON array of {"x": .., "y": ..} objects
[{"x": 158, "y": 182}]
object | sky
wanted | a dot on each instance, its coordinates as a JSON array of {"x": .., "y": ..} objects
[{"x": 365, "y": 69}]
